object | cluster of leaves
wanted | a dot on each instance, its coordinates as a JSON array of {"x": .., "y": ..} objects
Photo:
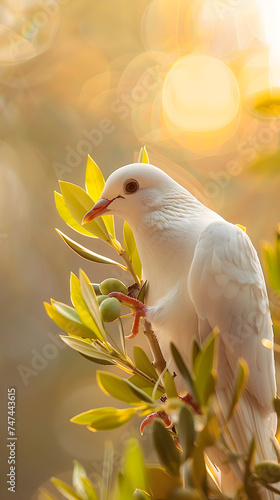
[
  {"x": 74, "y": 202},
  {"x": 184, "y": 472}
]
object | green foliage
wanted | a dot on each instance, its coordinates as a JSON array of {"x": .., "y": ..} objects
[
  {"x": 271, "y": 257},
  {"x": 239, "y": 384},
  {"x": 74, "y": 202}
]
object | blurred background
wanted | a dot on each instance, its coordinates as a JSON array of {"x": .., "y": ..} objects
[{"x": 197, "y": 82}]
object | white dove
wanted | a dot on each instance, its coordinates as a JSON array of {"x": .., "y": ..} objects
[{"x": 202, "y": 272}]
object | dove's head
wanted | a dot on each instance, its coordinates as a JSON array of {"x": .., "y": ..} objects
[{"x": 132, "y": 191}]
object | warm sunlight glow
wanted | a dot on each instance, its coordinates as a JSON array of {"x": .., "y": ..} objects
[
  {"x": 265, "y": 100},
  {"x": 200, "y": 94},
  {"x": 270, "y": 13}
]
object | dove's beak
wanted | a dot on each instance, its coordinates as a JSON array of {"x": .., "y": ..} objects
[{"x": 97, "y": 210}]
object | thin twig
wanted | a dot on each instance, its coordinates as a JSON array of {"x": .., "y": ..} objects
[{"x": 159, "y": 361}]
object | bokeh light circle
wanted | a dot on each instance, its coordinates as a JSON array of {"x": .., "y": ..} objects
[{"x": 200, "y": 94}]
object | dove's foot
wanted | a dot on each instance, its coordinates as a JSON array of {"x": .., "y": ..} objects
[
  {"x": 188, "y": 399},
  {"x": 166, "y": 420},
  {"x": 150, "y": 418},
  {"x": 138, "y": 308}
]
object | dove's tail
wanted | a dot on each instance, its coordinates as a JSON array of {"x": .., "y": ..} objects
[{"x": 249, "y": 419}]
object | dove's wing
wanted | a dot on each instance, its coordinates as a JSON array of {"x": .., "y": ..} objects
[{"x": 227, "y": 287}]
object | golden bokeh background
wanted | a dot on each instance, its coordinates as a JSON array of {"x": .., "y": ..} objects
[{"x": 197, "y": 82}]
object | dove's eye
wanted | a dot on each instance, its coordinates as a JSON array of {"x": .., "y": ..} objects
[{"x": 131, "y": 186}]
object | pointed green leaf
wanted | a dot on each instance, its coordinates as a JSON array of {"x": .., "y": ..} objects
[
  {"x": 166, "y": 449},
  {"x": 141, "y": 394},
  {"x": 66, "y": 215},
  {"x": 143, "y": 363},
  {"x": 94, "y": 185},
  {"x": 147, "y": 387},
  {"x": 196, "y": 351},
  {"x": 88, "y": 350},
  {"x": 183, "y": 370},
  {"x": 122, "y": 336},
  {"x": 131, "y": 249},
  {"x": 88, "y": 254},
  {"x": 204, "y": 368},
  {"x": 72, "y": 326},
  {"x": 169, "y": 385},
  {"x": 89, "y": 489},
  {"x": 271, "y": 265},
  {"x": 64, "y": 489},
  {"x": 210, "y": 433},
  {"x": 82, "y": 308},
  {"x": 91, "y": 302},
  {"x": 135, "y": 465},
  {"x": 199, "y": 474},
  {"x": 142, "y": 292},
  {"x": 103, "y": 419},
  {"x": 252, "y": 488},
  {"x": 67, "y": 311},
  {"x": 125, "y": 487},
  {"x": 99, "y": 361},
  {"x": 81, "y": 483},
  {"x": 79, "y": 473},
  {"x": 143, "y": 155},
  {"x": 117, "y": 387},
  {"x": 239, "y": 384},
  {"x": 107, "y": 471},
  {"x": 186, "y": 431},
  {"x": 250, "y": 481},
  {"x": 79, "y": 203},
  {"x": 276, "y": 404},
  {"x": 205, "y": 361}
]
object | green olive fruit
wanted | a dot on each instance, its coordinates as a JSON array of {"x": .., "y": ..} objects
[
  {"x": 110, "y": 309},
  {"x": 100, "y": 298},
  {"x": 112, "y": 285}
]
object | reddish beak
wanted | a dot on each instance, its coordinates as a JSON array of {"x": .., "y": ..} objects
[{"x": 98, "y": 209}]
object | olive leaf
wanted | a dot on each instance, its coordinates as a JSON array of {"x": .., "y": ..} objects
[
  {"x": 103, "y": 419},
  {"x": 166, "y": 449},
  {"x": 94, "y": 185},
  {"x": 131, "y": 249},
  {"x": 64, "y": 489},
  {"x": 239, "y": 384},
  {"x": 88, "y": 254},
  {"x": 79, "y": 203},
  {"x": 143, "y": 363},
  {"x": 66, "y": 215}
]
